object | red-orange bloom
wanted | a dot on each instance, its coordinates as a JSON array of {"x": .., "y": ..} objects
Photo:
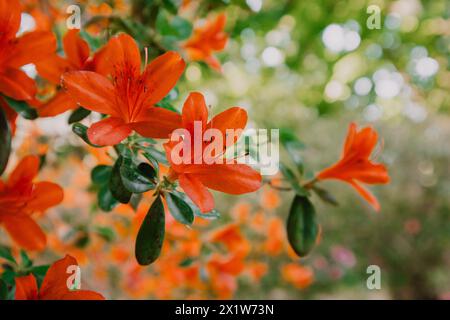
[
  {"x": 20, "y": 197},
  {"x": 77, "y": 57},
  {"x": 206, "y": 40},
  {"x": 131, "y": 96},
  {"x": 54, "y": 285},
  {"x": 229, "y": 177},
  {"x": 355, "y": 167},
  {"x": 301, "y": 277},
  {"x": 16, "y": 52}
]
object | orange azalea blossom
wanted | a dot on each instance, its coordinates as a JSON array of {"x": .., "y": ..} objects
[
  {"x": 20, "y": 197},
  {"x": 54, "y": 285},
  {"x": 77, "y": 57},
  {"x": 131, "y": 96},
  {"x": 206, "y": 40},
  {"x": 16, "y": 52},
  {"x": 301, "y": 277},
  {"x": 355, "y": 167},
  {"x": 229, "y": 177}
]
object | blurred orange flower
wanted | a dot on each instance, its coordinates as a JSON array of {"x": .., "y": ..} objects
[
  {"x": 206, "y": 40},
  {"x": 301, "y": 277},
  {"x": 130, "y": 98},
  {"x": 355, "y": 167},
  {"x": 77, "y": 57},
  {"x": 20, "y": 197},
  {"x": 54, "y": 285}
]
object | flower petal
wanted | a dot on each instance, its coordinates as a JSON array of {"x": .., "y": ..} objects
[
  {"x": 119, "y": 53},
  {"x": 92, "y": 91},
  {"x": 9, "y": 17},
  {"x": 25, "y": 231},
  {"x": 367, "y": 195},
  {"x": 194, "y": 109},
  {"x": 229, "y": 178},
  {"x": 156, "y": 122},
  {"x": 54, "y": 286},
  {"x": 32, "y": 47},
  {"x": 16, "y": 84},
  {"x": 60, "y": 103},
  {"x": 231, "y": 119},
  {"x": 197, "y": 192},
  {"x": 162, "y": 74},
  {"x": 108, "y": 132},
  {"x": 25, "y": 171},
  {"x": 45, "y": 195},
  {"x": 76, "y": 49},
  {"x": 52, "y": 68},
  {"x": 26, "y": 288}
]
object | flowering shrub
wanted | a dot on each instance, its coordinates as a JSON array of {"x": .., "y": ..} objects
[{"x": 142, "y": 169}]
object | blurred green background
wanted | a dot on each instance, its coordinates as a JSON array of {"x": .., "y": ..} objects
[{"x": 315, "y": 66}]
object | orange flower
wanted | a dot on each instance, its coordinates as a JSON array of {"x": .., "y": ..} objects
[
  {"x": 131, "y": 97},
  {"x": 301, "y": 277},
  {"x": 20, "y": 197},
  {"x": 16, "y": 52},
  {"x": 229, "y": 177},
  {"x": 355, "y": 167},
  {"x": 77, "y": 57},
  {"x": 206, "y": 40},
  {"x": 54, "y": 285}
]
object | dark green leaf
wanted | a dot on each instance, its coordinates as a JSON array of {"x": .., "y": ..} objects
[
  {"x": 173, "y": 28},
  {"x": 302, "y": 228},
  {"x": 153, "y": 154},
  {"x": 116, "y": 185},
  {"x": 150, "y": 237},
  {"x": 293, "y": 181},
  {"x": 213, "y": 214},
  {"x": 135, "y": 200},
  {"x": 171, "y": 5},
  {"x": 5, "y": 141},
  {"x": 39, "y": 272},
  {"x": 5, "y": 253},
  {"x": 3, "y": 290},
  {"x": 78, "y": 115},
  {"x": 81, "y": 131},
  {"x": 101, "y": 174},
  {"x": 22, "y": 108},
  {"x": 326, "y": 196},
  {"x": 105, "y": 199},
  {"x": 179, "y": 209},
  {"x": 134, "y": 179}
]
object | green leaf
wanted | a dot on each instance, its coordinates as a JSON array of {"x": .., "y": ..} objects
[
  {"x": 26, "y": 261},
  {"x": 5, "y": 253},
  {"x": 22, "y": 108},
  {"x": 39, "y": 272},
  {"x": 93, "y": 42},
  {"x": 153, "y": 154},
  {"x": 173, "y": 28},
  {"x": 171, "y": 5},
  {"x": 101, "y": 174},
  {"x": 78, "y": 115},
  {"x": 302, "y": 228},
  {"x": 325, "y": 195},
  {"x": 213, "y": 214},
  {"x": 135, "y": 200},
  {"x": 186, "y": 262},
  {"x": 179, "y": 209},
  {"x": 105, "y": 199},
  {"x": 116, "y": 185},
  {"x": 81, "y": 131},
  {"x": 134, "y": 179},
  {"x": 150, "y": 237},
  {"x": 5, "y": 141},
  {"x": 293, "y": 181},
  {"x": 3, "y": 290},
  {"x": 106, "y": 233}
]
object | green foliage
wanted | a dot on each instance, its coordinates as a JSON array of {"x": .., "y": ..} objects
[
  {"x": 150, "y": 237},
  {"x": 22, "y": 108},
  {"x": 5, "y": 141},
  {"x": 302, "y": 228},
  {"x": 179, "y": 209}
]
